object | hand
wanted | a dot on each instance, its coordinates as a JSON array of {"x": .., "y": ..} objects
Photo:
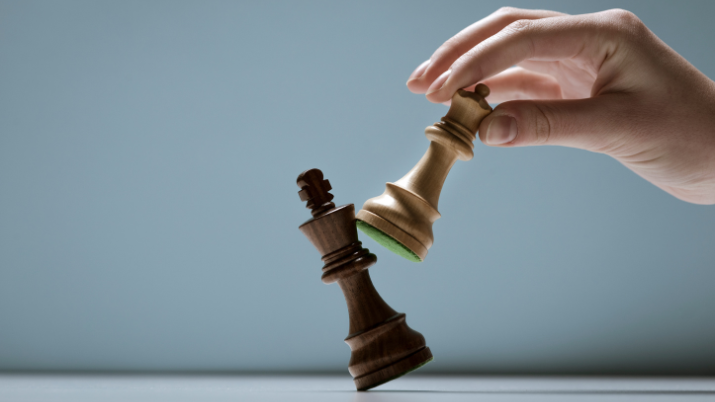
[{"x": 601, "y": 82}]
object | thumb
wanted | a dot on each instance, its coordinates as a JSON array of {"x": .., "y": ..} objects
[{"x": 593, "y": 124}]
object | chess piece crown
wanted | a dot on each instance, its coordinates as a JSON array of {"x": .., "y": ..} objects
[
  {"x": 383, "y": 346},
  {"x": 401, "y": 218}
]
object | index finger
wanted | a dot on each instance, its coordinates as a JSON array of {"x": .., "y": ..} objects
[
  {"x": 469, "y": 37},
  {"x": 546, "y": 39}
]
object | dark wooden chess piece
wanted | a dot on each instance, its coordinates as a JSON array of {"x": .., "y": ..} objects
[{"x": 383, "y": 346}]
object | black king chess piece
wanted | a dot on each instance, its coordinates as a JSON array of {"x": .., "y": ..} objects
[{"x": 383, "y": 346}]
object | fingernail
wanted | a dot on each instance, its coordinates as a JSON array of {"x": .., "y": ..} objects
[
  {"x": 419, "y": 71},
  {"x": 501, "y": 130},
  {"x": 439, "y": 82}
]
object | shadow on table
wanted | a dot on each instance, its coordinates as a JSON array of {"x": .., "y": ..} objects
[{"x": 410, "y": 395}]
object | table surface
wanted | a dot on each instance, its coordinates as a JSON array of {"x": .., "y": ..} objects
[{"x": 79, "y": 388}]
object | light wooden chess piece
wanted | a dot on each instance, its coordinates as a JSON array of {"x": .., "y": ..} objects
[
  {"x": 383, "y": 346},
  {"x": 401, "y": 218}
]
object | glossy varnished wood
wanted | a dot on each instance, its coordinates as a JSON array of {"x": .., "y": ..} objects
[
  {"x": 408, "y": 208},
  {"x": 383, "y": 345}
]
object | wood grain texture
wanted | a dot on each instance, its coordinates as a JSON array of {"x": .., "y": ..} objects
[
  {"x": 408, "y": 208},
  {"x": 383, "y": 345}
]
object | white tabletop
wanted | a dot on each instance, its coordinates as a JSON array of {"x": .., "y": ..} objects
[{"x": 79, "y": 388}]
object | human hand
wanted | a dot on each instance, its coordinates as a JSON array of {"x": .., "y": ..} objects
[{"x": 602, "y": 82}]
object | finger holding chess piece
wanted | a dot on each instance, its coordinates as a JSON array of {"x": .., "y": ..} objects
[
  {"x": 383, "y": 346},
  {"x": 401, "y": 218}
]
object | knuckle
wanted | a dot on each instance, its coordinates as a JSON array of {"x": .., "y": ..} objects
[
  {"x": 521, "y": 31},
  {"x": 464, "y": 59},
  {"x": 464, "y": 65},
  {"x": 508, "y": 15},
  {"x": 623, "y": 16},
  {"x": 450, "y": 45},
  {"x": 541, "y": 123},
  {"x": 506, "y": 11},
  {"x": 520, "y": 26},
  {"x": 534, "y": 121},
  {"x": 449, "y": 50},
  {"x": 624, "y": 22}
]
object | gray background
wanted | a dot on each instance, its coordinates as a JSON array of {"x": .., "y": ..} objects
[{"x": 148, "y": 206}]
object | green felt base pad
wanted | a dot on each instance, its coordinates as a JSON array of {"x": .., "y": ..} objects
[{"x": 387, "y": 241}]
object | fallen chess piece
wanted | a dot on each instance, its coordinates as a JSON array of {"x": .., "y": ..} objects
[
  {"x": 383, "y": 346},
  {"x": 401, "y": 218}
]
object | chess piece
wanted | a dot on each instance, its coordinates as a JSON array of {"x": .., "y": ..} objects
[
  {"x": 401, "y": 218},
  {"x": 383, "y": 346}
]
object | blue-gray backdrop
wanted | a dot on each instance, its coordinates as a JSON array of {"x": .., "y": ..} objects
[{"x": 148, "y": 206}]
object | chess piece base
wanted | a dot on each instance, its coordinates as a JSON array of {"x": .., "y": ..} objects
[{"x": 397, "y": 369}]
